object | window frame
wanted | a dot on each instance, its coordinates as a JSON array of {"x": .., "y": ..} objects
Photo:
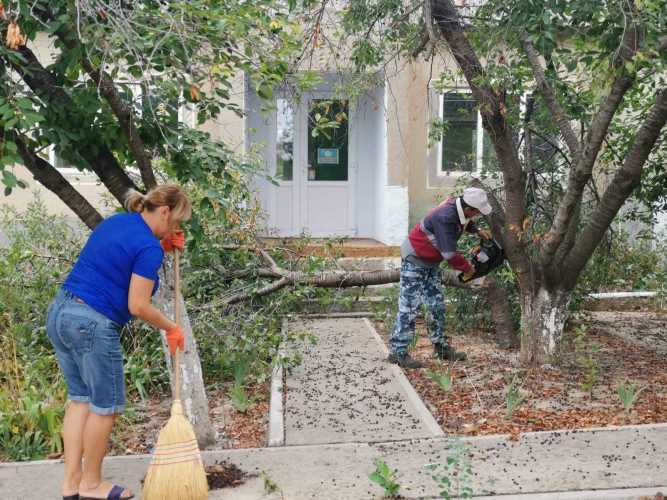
[
  {"x": 186, "y": 115},
  {"x": 479, "y": 142}
]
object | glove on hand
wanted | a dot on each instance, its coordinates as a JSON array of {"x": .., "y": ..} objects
[
  {"x": 173, "y": 240},
  {"x": 175, "y": 339}
]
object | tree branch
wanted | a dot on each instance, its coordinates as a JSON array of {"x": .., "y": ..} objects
[
  {"x": 98, "y": 157},
  {"x": 626, "y": 179},
  {"x": 336, "y": 279},
  {"x": 552, "y": 103},
  {"x": 582, "y": 170},
  {"x": 50, "y": 178},
  {"x": 120, "y": 109},
  {"x": 492, "y": 109}
]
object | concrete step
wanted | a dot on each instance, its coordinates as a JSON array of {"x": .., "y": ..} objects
[{"x": 622, "y": 463}]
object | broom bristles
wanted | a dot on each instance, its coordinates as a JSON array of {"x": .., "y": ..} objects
[{"x": 176, "y": 471}]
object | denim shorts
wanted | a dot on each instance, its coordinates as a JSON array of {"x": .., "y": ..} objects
[{"x": 87, "y": 346}]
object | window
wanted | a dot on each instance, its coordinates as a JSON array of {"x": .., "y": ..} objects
[
  {"x": 465, "y": 146},
  {"x": 284, "y": 140},
  {"x": 540, "y": 133},
  {"x": 327, "y": 140}
]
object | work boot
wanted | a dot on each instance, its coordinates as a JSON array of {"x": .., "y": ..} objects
[
  {"x": 445, "y": 351},
  {"x": 404, "y": 360}
]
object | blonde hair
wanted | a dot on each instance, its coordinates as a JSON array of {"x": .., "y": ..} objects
[{"x": 169, "y": 195}]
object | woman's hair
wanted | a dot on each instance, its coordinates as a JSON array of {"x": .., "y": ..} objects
[{"x": 169, "y": 195}]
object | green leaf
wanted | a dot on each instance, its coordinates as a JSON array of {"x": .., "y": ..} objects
[{"x": 9, "y": 179}]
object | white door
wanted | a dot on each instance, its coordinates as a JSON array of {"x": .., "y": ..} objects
[
  {"x": 327, "y": 207},
  {"x": 314, "y": 168}
]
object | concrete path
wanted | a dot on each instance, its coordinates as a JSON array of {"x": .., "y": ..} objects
[
  {"x": 622, "y": 463},
  {"x": 345, "y": 391}
]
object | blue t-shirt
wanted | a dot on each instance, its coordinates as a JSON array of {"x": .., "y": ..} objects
[{"x": 119, "y": 246}]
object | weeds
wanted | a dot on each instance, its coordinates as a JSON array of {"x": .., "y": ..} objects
[
  {"x": 586, "y": 360},
  {"x": 239, "y": 398},
  {"x": 445, "y": 380},
  {"x": 513, "y": 398},
  {"x": 270, "y": 486},
  {"x": 628, "y": 394},
  {"x": 454, "y": 477},
  {"x": 385, "y": 478}
]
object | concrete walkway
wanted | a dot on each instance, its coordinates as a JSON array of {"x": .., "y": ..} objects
[
  {"x": 622, "y": 463},
  {"x": 345, "y": 391},
  {"x": 346, "y": 408}
]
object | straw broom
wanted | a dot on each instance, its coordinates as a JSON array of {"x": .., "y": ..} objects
[{"x": 176, "y": 471}]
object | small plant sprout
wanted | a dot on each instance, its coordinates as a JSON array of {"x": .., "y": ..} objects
[
  {"x": 454, "y": 477},
  {"x": 628, "y": 394},
  {"x": 445, "y": 380},
  {"x": 585, "y": 356},
  {"x": 513, "y": 398},
  {"x": 239, "y": 398},
  {"x": 385, "y": 478},
  {"x": 270, "y": 486}
]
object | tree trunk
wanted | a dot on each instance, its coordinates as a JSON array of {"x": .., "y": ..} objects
[
  {"x": 543, "y": 316},
  {"x": 193, "y": 394},
  {"x": 501, "y": 314}
]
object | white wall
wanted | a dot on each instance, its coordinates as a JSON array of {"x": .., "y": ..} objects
[{"x": 392, "y": 205}]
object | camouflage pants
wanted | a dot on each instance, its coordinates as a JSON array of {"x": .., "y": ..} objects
[{"x": 419, "y": 285}]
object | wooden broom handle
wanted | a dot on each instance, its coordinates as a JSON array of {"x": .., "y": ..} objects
[{"x": 177, "y": 320}]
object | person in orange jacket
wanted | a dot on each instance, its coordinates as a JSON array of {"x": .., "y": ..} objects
[{"x": 112, "y": 281}]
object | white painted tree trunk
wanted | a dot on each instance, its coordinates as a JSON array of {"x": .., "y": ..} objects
[
  {"x": 543, "y": 317},
  {"x": 193, "y": 394}
]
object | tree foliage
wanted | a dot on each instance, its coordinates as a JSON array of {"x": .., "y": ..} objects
[{"x": 585, "y": 79}]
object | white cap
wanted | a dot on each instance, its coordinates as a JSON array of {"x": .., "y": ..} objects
[{"x": 476, "y": 198}]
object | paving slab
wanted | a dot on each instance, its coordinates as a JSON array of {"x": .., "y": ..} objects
[
  {"x": 346, "y": 391},
  {"x": 622, "y": 463}
]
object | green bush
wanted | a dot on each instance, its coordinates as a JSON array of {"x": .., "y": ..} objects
[
  {"x": 37, "y": 258},
  {"x": 621, "y": 265},
  {"x": 38, "y": 255}
]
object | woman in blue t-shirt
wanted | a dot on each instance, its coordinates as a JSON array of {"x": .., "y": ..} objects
[{"x": 112, "y": 281}]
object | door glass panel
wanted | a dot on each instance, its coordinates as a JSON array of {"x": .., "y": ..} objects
[
  {"x": 327, "y": 140},
  {"x": 284, "y": 140}
]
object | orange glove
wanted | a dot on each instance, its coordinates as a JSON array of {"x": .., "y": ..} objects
[
  {"x": 173, "y": 240},
  {"x": 175, "y": 339}
]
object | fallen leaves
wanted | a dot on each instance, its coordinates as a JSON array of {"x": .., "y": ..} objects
[
  {"x": 475, "y": 405},
  {"x": 225, "y": 475}
]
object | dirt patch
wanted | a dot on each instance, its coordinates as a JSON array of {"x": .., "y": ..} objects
[
  {"x": 554, "y": 397},
  {"x": 249, "y": 429},
  {"x": 138, "y": 429},
  {"x": 649, "y": 304},
  {"x": 645, "y": 329},
  {"x": 225, "y": 475}
]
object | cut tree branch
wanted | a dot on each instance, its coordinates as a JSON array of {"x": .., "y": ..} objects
[{"x": 333, "y": 279}]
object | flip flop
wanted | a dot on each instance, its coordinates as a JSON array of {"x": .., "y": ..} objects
[
  {"x": 71, "y": 497},
  {"x": 114, "y": 494}
]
